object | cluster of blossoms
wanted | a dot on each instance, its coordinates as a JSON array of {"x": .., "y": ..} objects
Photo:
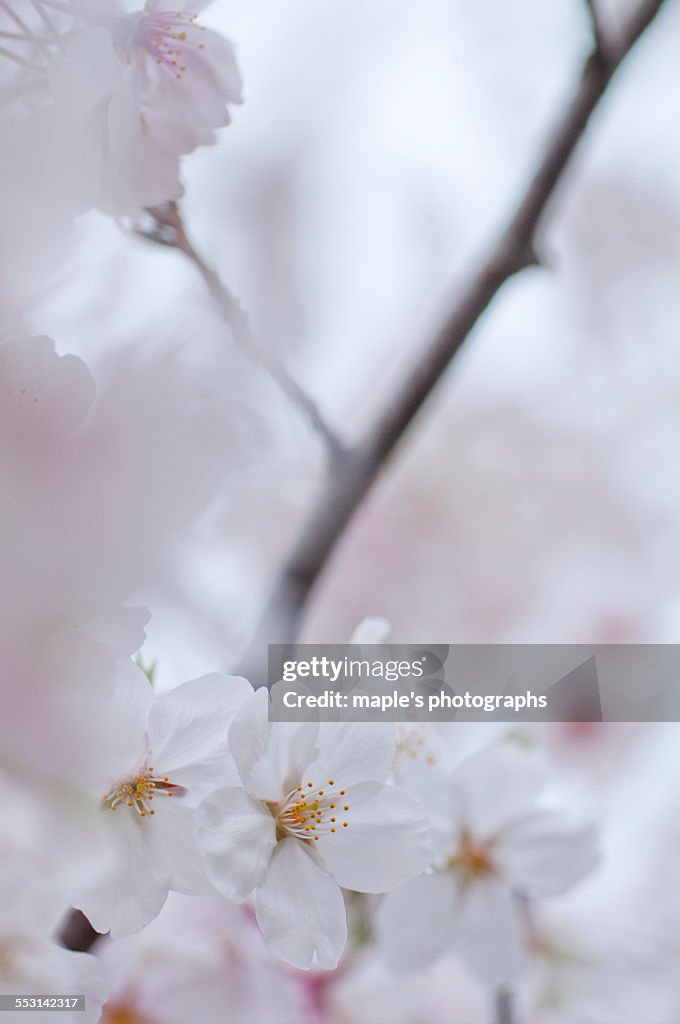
[
  {"x": 98, "y": 104},
  {"x": 301, "y": 864},
  {"x": 116, "y": 96}
]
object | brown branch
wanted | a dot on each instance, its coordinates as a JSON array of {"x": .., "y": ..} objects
[
  {"x": 167, "y": 228},
  {"x": 600, "y": 43},
  {"x": 514, "y": 251},
  {"x": 504, "y": 1007}
]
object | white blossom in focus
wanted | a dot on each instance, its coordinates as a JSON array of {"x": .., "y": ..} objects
[
  {"x": 311, "y": 813},
  {"x": 172, "y": 752}
]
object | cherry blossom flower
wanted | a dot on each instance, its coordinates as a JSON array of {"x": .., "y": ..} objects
[
  {"x": 139, "y": 90},
  {"x": 189, "y": 74},
  {"x": 368, "y": 992},
  {"x": 118, "y": 96},
  {"x": 198, "y": 957},
  {"x": 495, "y": 845},
  {"x": 42, "y": 393},
  {"x": 172, "y": 751},
  {"x": 584, "y": 969},
  {"x": 311, "y": 814}
]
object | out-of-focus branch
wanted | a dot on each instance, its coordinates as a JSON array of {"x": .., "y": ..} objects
[
  {"x": 504, "y": 1008},
  {"x": 599, "y": 37},
  {"x": 514, "y": 251},
  {"x": 166, "y": 227}
]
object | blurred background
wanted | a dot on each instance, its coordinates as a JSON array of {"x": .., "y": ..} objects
[
  {"x": 380, "y": 147},
  {"x": 379, "y": 150}
]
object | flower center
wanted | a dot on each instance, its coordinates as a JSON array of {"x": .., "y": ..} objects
[
  {"x": 169, "y": 38},
  {"x": 473, "y": 859},
  {"x": 140, "y": 791},
  {"x": 121, "y": 1014},
  {"x": 309, "y": 812},
  {"x": 411, "y": 743}
]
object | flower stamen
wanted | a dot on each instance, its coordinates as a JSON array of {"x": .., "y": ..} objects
[
  {"x": 139, "y": 791},
  {"x": 305, "y": 815}
]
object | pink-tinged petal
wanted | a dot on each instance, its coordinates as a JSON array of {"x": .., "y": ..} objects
[
  {"x": 132, "y": 894},
  {"x": 121, "y": 629},
  {"x": 270, "y": 756},
  {"x": 351, "y": 752},
  {"x": 42, "y": 393},
  {"x": 183, "y": 111},
  {"x": 236, "y": 836},
  {"x": 385, "y": 842},
  {"x": 495, "y": 786},
  {"x": 87, "y": 71},
  {"x": 189, "y": 732},
  {"x": 545, "y": 854},
  {"x": 300, "y": 909},
  {"x": 128, "y": 722},
  {"x": 488, "y": 931},
  {"x": 416, "y": 922}
]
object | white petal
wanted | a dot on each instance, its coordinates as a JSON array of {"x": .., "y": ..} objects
[
  {"x": 134, "y": 892},
  {"x": 545, "y": 855},
  {"x": 386, "y": 842},
  {"x": 128, "y": 722},
  {"x": 88, "y": 71},
  {"x": 174, "y": 840},
  {"x": 120, "y": 629},
  {"x": 488, "y": 933},
  {"x": 371, "y": 631},
  {"x": 495, "y": 786},
  {"x": 270, "y": 756},
  {"x": 40, "y": 390},
  {"x": 415, "y": 923},
  {"x": 237, "y": 836},
  {"x": 300, "y": 909},
  {"x": 189, "y": 730},
  {"x": 352, "y": 752}
]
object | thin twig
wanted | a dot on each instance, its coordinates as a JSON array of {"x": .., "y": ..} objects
[
  {"x": 514, "y": 251},
  {"x": 167, "y": 229},
  {"x": 599, "y": 38},
  {"x": 504, "y": 1007}
]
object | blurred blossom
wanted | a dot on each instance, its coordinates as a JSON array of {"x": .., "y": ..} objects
[
  {"x": 496, "y": 846},
  {"x": 584, "y": 971},
  {"x": 198, "y": 958},
  {"x": 33, "y": 965},
  {"x": 445, "y": 993}
]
